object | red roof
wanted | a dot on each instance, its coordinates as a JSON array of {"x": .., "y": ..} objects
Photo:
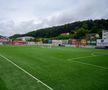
[{"x": 3, "y": 40}]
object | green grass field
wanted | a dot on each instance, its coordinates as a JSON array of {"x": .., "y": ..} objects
[{"x": 61, "y": 68}]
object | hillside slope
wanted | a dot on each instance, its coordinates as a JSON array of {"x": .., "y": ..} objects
[{"x": 76, "y": 29}]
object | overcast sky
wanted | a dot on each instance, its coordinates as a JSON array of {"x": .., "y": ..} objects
[{"x": 21, "y": 16}]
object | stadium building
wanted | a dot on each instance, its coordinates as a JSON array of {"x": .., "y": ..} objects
[
  {"x": 105, "y": 34},
  {"x": 24, "y": 40},
  {"x": 103, "y": 43},
  {"x": 4, "y": 41}
]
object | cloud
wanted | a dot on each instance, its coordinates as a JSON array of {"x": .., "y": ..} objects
[
  {"x": 27, "y": 16},
  {"x": 88, "y": 9}
]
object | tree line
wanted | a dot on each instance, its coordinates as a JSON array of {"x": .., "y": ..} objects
[{"x": 76, "y": 29}]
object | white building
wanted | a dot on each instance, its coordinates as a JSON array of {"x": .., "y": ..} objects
[
  {"x": 104, "y": 41},
  {"x": 105, "y": 34},
  {"x": 26, "y": 38}
]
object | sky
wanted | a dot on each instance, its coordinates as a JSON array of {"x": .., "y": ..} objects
[{"x": 22, "y": 16}]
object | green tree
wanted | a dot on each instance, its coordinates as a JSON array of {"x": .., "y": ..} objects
[{"x": 81, "y": 32}]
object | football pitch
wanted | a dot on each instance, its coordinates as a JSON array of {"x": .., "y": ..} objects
[{"x": 55, "y": 68}]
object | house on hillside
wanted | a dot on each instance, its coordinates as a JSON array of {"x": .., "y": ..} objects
[
  {"x": 64, "y": 33},
  {"x": 92, "y": 36}
]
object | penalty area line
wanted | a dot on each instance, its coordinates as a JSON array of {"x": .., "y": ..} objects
[
  {"x": 80, "y": 57},
  {"x": 91, "y": 55},
  {"x": 26, "y": 72},
  {"x": 101, "y": 67}
]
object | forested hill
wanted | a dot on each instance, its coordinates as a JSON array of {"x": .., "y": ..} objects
[
  {"x": 76, "y": 29},
  {"x": 2, "y": 37}
]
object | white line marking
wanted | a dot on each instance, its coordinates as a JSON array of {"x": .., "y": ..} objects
[
  {"x": 27, "y": 72},
  {"x": 100, "y": 53},
  {"x": 91, "y": 65},
  {"x": 80, "y": 57},
  {"x": 92, "y": 55}
]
